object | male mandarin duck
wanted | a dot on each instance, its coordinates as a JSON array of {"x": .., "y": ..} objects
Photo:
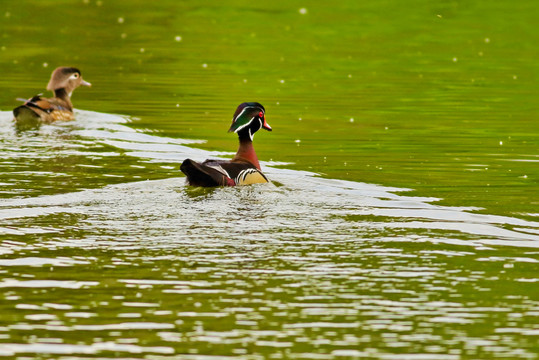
[
  {"x": 244, "y": 168},
  {"x": 63, "y": 81}
]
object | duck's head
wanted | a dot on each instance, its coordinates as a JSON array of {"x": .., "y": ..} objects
[
  {"x": 68, "y": 78},
  {"x": 248, "y": 119}
]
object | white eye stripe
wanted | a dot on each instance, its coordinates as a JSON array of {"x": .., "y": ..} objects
[
  {"x": 74, "y": 76},
  {"x": 244, "y": 109}
]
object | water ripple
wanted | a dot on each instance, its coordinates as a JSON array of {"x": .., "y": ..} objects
[{"x": 305, "y": 267}]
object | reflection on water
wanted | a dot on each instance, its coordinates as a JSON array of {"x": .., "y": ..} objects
[{"x": 134, "y": 264}]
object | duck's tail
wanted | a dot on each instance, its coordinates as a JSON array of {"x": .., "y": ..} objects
[
  {"x": 203, "y": 175},
  {"x": 26, "y": 118}
]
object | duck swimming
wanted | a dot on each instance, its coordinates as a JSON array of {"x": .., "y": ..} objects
[
  {"x": 58, "y": 108},
  {"x": 244, "y": 168}
]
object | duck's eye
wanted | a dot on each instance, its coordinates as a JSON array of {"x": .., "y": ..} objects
[
  {"x": 261, "y": 114},
  {"x": 75, "y": 76}
]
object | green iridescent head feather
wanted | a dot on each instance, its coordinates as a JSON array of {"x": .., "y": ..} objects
[{"x": 248, "y": 119}]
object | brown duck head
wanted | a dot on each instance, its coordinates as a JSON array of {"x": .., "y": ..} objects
[{"x": 66, "y": 78}]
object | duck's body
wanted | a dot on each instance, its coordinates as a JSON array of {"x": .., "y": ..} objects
[
  {"x": 47, "y": 110},
  {"x": 58, "y": 108},
  {"x": 244, "y": 168},
  {"x": 221, "y": 173}
]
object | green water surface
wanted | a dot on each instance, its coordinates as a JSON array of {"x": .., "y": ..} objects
[{"x": 440, "y": 97}]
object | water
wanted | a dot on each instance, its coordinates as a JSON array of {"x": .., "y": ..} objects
[
  {"x": 302, "y": 267},
  {"x": 401, "y": 221}
]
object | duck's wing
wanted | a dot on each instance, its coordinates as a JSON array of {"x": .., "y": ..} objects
[
  {"x": 221, "y": 173},
  {"x": 47, "y": 110},
  {"x": 31, "y": 109},
  {"x": 206, "y": 175}
]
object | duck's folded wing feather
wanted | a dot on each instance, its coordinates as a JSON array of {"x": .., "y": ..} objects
[
  {"x": 47, "y": 110},
  {"x": 206, "y": 175}
]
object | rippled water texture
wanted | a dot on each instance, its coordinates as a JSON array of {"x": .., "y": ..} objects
[
  {"x": 401, "y": 221},
  {"x": 304, "y": 267}
]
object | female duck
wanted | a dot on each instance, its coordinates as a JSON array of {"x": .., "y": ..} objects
[
  {"x": 63, "y": 81},
  {"x": 244, "y": 168}
]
